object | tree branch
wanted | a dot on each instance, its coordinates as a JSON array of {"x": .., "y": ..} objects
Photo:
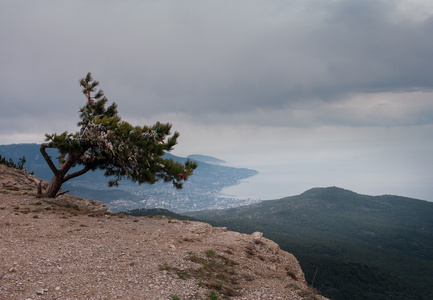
[
  {"x": 47, "y": 157},
  {"x": 68, "y": 163},
  {"x": 76, "y": 174},
  {"x": 62, "y": 193},
  {"x": 61, "y": 159}
]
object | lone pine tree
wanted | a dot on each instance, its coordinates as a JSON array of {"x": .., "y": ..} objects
[{"x": 106, "y": 142}]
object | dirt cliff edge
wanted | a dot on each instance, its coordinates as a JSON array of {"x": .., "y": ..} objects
[{"x": 72, "y": 248}]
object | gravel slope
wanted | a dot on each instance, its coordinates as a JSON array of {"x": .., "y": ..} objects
[{"x": 49, "y": 251}]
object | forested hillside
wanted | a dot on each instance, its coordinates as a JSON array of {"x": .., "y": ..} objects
[{"x": 350, "y": 246}]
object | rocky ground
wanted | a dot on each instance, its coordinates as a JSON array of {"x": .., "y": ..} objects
[{"x": 72, "y": 248}]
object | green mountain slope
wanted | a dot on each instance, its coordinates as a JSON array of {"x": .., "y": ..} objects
[{"x": 353, "y": 246}]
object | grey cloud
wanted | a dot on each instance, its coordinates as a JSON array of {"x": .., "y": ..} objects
[
  {"x": 366, "y": 51},
  {"x": 213, "y": 57}
]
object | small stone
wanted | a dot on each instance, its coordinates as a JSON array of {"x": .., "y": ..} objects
[
  {"x": 57, "y": 288},
  {"x": 257, "y": 235}
]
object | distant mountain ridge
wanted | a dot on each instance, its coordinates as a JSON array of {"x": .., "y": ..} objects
[
  {"x": 353, "y": 246},
  {"x": 206, "y": 159},
  {"x": 201, "y": 191}
]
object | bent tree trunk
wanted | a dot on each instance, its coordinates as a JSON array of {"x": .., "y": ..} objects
[
  {"x": 60, "y": 174},
  {"x": 53, "y": 187}
]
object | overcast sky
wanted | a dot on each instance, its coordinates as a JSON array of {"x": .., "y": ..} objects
[{"x": 308, "y": 92}]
